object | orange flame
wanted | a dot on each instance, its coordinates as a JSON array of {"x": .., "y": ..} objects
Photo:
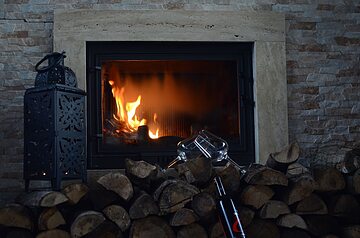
[{"x": 127, "y": 114}]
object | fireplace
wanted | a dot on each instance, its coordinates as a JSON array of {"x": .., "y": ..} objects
[{"x": 145, "y": 97}]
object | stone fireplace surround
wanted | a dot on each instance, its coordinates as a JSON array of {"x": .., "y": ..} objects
[{"x": 266, "y": 29}]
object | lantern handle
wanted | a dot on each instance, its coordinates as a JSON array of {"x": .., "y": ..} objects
[{"x": 58, "y": 57}]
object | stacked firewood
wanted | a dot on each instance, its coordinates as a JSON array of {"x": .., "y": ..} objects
[{"x": 282, "y": 199}]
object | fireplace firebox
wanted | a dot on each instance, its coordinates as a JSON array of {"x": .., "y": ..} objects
[{"x": 145, "y": 97}]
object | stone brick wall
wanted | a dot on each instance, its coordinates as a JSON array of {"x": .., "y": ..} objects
[{"x": 323, "y": 68}]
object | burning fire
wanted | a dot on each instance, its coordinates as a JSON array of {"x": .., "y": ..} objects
[{"x": 127, "y": 115}]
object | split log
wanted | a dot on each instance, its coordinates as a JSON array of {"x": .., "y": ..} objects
[
  {"x": 106, "y": 229},
  {"x": 183, "y": 217},
  {"x": 261, "y": 175},
  {"x": 85, "y": 223},
  {"x": 295, "y": 170},
  {"x": 273, "y": 209},
  {"x": 320, "y": 225},
  {"x": 294, "y": 233},
  {"x": 256, "y": 195},
  {"x": 346, "y": 207},
  {"x": 328, "y": 180},
  {"x": 246, "y": 216},
  {"x": 192, "y": 230},
  {"x": 74, "y": 192},
  {"x": 42, "y": 199},
  {"x": 351, "y": 161},
  {"x": 351, "y": 231},
  {"x": 151, "y": 227},
  {"x": 140, "y": 172},
  {"x": 196, "y": 171},
  {"x": 173, "y": 195},
  {"x": 15, "y": 215},
  {"x": 18, "y": 233},
  {"x": 56, "y": 233},
  {"x": 280, "y": 160},
  {"x": 230, "y": 177},
  {"x": 217, "y": 231},
  {"x": 262, "y": 229},
  {"x": 101, "y": 198},
  {"x": 353, "y": 182},
  {"x": 118, "y": 183},
  {"x": 204, "y": 206},
  {"x": 118, "y": 215},
  {"x": 299, "y": 188},
  {"x": 143, "y": 206},
  {"x": 291, "y": 221},
  {"x": 50, "y": 218},
  {"x": 312, "y": 205}
]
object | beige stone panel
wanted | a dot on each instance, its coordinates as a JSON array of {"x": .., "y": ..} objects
[
  {"x": 270, "y": 90},
  {"x": 73, "y": 28}
]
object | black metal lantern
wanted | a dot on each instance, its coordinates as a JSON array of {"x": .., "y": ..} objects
[
  {"x": 54, "y": 125},
  {"x": 55, "y": 72}
]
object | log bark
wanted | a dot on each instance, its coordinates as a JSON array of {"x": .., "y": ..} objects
[
  {"x": 320, "y": 225},
  {"x": 15, "y": 215},
  {"x": 75, "y": 192},
  {"x": 256, "y": 195},
  {"x": 230, "y": 177},
  {"x": 295, "y": 170},
  {"x": 312, "y": 205},
  {"x": 294, "y": 233},
  {"x": 299, "y": 188},
  {"x": 196, "y": 171},
  {"x": 291, "y": 221},
  {"x": 216, "y": 231},
  {"x": 183, "y": 217},
  {"x": 173, "y": 195},
  {"x": 246, "y": 216},
  {"x": 56, "y": 233},
  {"x": 280, "y": 160},
  {"x": 261, "y": 175},
  {"x": 118, "y": 183},
  {"x": 353, "y": 182},
  {"x": 204, "y": 206},
  {"x": 151, "y": 227},
  {"x": 262, "y": 229},
  {"x": 118, "y": 215},
  {"x": 50, "y": 218},
  {"x": 106, "y": 229},
  {"x": 85, "y": 223},
  {"x": 351, "y": 231},
  {"x": 42, "y": 199},
  {"x": 346, "y": 207},
  {"x": 329, "y": 180},
  {"x": 143, "y": 206},
  {"x": 192, "y": 230},
  {"x": 273, "y": 209}
]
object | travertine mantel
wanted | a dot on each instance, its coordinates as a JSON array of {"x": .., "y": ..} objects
[{"x": 266, "y": 29}]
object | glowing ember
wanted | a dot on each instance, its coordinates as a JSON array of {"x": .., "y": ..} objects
[{"x": 126, "y": 115}]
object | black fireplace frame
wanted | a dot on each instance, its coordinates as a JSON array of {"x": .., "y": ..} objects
[{"x": 99, "y": 157}]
